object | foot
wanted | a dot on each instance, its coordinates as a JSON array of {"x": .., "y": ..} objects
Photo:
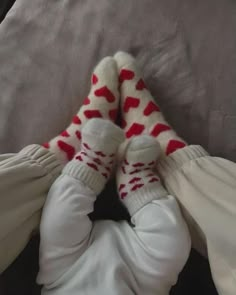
[
  {"x": 140, "y": 113},
  {"x": 101, "y": 102},
  {"x": 100, "y": 141},
  {"x": 137, "y": 182}
]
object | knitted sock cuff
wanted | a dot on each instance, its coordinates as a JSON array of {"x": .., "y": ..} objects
[
  {"x": 135, "y": 201},
  {"x": 79, "y": 170}
]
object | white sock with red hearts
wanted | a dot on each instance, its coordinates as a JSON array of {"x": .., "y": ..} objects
[
  {"x": 102, "y": 102},
  {"x": 140, "y": 113},
  {"x": 137, "y": 183},
  {"x": 94, "y": 163}
]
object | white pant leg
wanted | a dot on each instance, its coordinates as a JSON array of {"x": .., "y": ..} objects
[
  {"x": 65, "y": 227},
  {"x": 205, "y": 187},
  {"x": 25, "y": 179},
  {"x": 162, "y": 230}
]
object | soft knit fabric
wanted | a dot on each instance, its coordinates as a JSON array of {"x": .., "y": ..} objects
[
  {"x": 137, "y": 182},
  {"x": 106, "y": 257},
  {"x": 100, "y": 141},
  {"x": 25, "y": 179},
  {"x": 140, "y": 113},
  {"x": 102, "y": 102}
]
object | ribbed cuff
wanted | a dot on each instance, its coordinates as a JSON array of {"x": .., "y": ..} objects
[
  {"x": 135, "y": 201},
  {"x": 44, "y": 158},
  {"x": 79, "y": 170},
  {"x": 177, "y": 159}
]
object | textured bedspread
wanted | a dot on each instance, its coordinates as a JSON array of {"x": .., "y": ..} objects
[{"x": 48, "y": 49}]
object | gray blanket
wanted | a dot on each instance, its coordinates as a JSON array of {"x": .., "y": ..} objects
[{"x": 187, "y": 48}]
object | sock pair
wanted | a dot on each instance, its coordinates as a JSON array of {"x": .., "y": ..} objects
[
  {"x": 139, "y": 112},
  {"x": 137, "y": 183}
]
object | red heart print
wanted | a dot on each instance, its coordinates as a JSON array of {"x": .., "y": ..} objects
[
  {"x": 105, "y": 175},
  {"x": 86, "y": 101},
  {"x": 65, "y": 134},
  {"x": 79, "y": 158},
  {"x": 113, "y": 114},
  {"x": 94, "y": 79},
  {"x": 97, "y": 161},
  {"x": 137, "y": 186},
  {"x": 135, "y": 171},
  {"x": 101, "y": 154},
  {"x": 135, "y": 179},
  {"x": 121, "y": 187},
  {"x": 108, "y": 169},
  {"x": 174, "y": 145},
  {"x": 78, "y": 134},
  {"x": 46, "y": 145},
  {"x": 149, "y": 175},
  {"x": 68, "y": 149},
  {"x": 92, "y": 114},
  {"x": 123, "y": 123},
  {"x": 140, "y": 85},
  {"x": 105, "y": 92},
  {"x": 93, "y": 166},
  {"x": 123, "y": 169},
  {"x": 138, "y": 165},
  {"x": 158, "y": 128},
  {"x": 125, "y": 75},
  {"x": 76, "y": 120},
  {"x": 86, "y": 146},
  {"x": 135, "y": 129},
  {"x": 123, "y": 195},
  {"x": 131, "y": 102},
  {"x": 150, "y": 108},
  {"x": 154, "y": 179}
]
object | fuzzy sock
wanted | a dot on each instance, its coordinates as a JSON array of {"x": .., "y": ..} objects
[
  {"x": 100, "y": 141},
  {"x": 140, "y": 113},
  {"x": 137, "y": 183},
  {"x": 102, "y": 102}
]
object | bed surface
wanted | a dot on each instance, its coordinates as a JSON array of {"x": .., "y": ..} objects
[{"x": 48, "y": 49}]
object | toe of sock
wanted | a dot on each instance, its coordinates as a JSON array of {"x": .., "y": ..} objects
[
  {"x": 106, "y": 68},
  {"x": 143, "y": 147},
  {"x": 142, "y": 142},
  {"x": 103, "y": 129},
  {"x": 123, "y": 59}
]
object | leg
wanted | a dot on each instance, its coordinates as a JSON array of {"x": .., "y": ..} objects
[
  {"x": 65, "y": 226},
  {"x": 140, "y": 114},
  {"x": 25, "y": 180},
  {"x": 206, "y": 188},
  {"x": 156, "y": 216}
]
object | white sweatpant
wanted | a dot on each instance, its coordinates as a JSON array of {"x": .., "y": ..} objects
[{"x": 158, "y": 243}]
